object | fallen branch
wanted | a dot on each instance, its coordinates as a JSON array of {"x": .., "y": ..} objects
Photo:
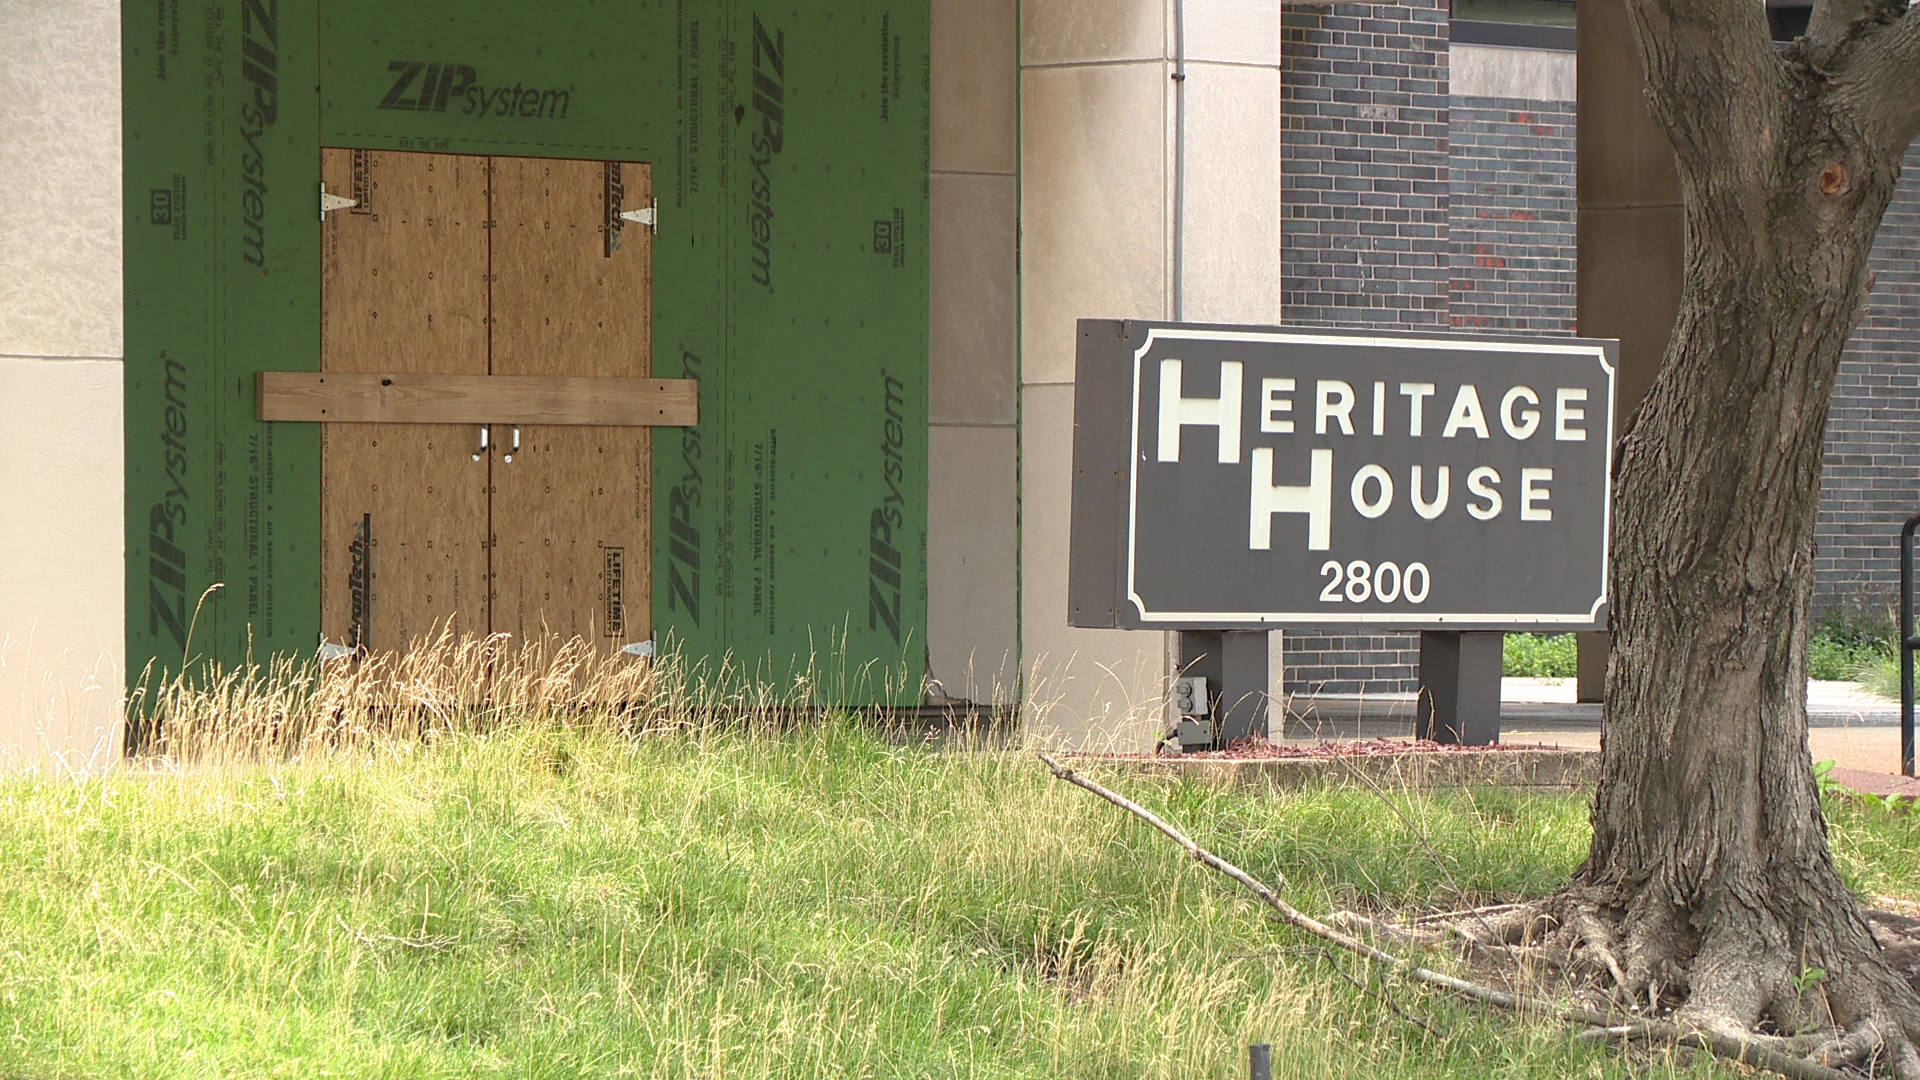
[
  {"x": 1493, "y": 939},
  {"x": 1379, "y": 996},
  {"x": 1722, "y": 1046}
]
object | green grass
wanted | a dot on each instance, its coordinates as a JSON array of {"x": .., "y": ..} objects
[
  {"x": 1881, "y": 676},
  {"x": 1539, "y": 656},
  {"x": 1856, "y": 652},
  {"x": 1841, "y": 650},
  {"x": 547, "y": 902},
  {"x": 1845, "y": 651}
]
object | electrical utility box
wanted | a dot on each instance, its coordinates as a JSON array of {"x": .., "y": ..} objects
[{"x": 596, "y": 319}]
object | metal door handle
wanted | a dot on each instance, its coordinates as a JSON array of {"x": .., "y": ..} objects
[
  {"x": 515, "y": 447},
  {"x": 477, "y": 454}
]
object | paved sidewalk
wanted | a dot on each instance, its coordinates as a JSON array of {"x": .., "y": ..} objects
[
  {"x": 1858, "y": 731},
  {"x": 1829, "y": 704}
]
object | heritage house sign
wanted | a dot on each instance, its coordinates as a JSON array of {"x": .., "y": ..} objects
[{"x": 1255, "y": 477}]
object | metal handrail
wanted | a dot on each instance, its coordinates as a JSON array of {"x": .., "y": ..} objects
[{"x": 1908, "y": 643}]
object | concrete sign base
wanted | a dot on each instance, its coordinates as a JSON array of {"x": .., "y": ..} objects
[
  {"x": 1459, "y": 688},
  {"x": 1234, "y": 662}
]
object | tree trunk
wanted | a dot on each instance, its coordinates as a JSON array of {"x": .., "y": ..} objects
[{"x": 1709, "y": 863}]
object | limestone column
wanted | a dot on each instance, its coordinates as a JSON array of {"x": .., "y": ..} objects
[
  {"x": 62, "y": 578},
  {"x": 973, "y": 498},
  {"x": 1099, "y": 182}
]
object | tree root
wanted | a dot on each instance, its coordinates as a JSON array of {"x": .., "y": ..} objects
[
  {"x": 1851, "y": 1048},
  {"x": 1596, "y": 941},
  {"x": 1884, "y": 1038},
  {"x": 1567, "y": 925}
]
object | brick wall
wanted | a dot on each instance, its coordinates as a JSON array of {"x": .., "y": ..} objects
[
  {"x": 1364, "y": 191},
  {"x": 1511, "y": 232},
  {"x": 1320, "y": 662},
  {"x": 1511, "y": 216},
  {"x": 1363, "y": 92},
  {"x": 1364, "y": 118},
  {"x": 1409, "y": 208},
  {"x": 1871, "y": 481}
]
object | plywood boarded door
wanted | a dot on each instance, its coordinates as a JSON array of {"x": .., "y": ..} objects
[
  {"x": 572, "y": 295},
  {"x": 403, "y": 506}
]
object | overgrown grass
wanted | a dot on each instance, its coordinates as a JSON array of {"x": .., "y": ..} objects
[
  {"x": 574, "y": 896},
  {"x": 1875, "y": 848},
  {"x": 1840, "y": 650},
  {"x": 1857, "y": 652},
  {"x": 570, "y": 903},
  {"x": 1540, "y": 656}
]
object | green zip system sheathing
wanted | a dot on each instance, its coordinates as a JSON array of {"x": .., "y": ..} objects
[{"x": 789, "y": 151}]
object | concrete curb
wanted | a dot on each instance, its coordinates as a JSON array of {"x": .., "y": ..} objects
[{"x": 1548, "y": 770}]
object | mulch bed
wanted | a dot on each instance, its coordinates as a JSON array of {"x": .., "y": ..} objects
[{"x": 1259, "y": 749}]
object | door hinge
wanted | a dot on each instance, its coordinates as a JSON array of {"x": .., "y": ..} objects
[
  {"x": 650, "y": 217},
  {"x": 333, "y": 202},
  {"x": 642, "y": 649}
]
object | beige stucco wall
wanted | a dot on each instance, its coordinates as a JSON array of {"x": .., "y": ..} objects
[
  {"x": 1495, "y": 71},
  {"x": 1097, "y": 186},
  {"x": 62, "y": 578},
  {"x": 973, "y": 543}
]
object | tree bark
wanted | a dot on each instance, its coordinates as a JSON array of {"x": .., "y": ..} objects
[{"x": 1709, "y": 860}]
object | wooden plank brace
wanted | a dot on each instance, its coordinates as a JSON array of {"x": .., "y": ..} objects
[{"x": 401, "y": 398}]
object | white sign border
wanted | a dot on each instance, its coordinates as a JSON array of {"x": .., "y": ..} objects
[{"x": 1307, "y": 337}]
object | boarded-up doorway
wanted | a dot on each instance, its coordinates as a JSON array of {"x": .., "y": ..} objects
[{"x": 461, "y": 265}]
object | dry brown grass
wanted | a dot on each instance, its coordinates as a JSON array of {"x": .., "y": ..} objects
[{"x": 295, "y": 708}]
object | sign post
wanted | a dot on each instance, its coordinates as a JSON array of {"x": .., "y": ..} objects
[
  {"x": 1235, "y": 663},
  {"x": 1459, "y": 687},
  {"x": 1231, "y": 478}
]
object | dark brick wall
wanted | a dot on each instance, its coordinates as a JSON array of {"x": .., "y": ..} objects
[
  {"x": 1364, "y": 189},
  {"x": 1320, "y": 662},
  {"x": 1512, "y": 214},
  {"x": 1871, "y": 481},
  {"x": 1408, "y": 208},
  {"x": 1363, "y": 92}
]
